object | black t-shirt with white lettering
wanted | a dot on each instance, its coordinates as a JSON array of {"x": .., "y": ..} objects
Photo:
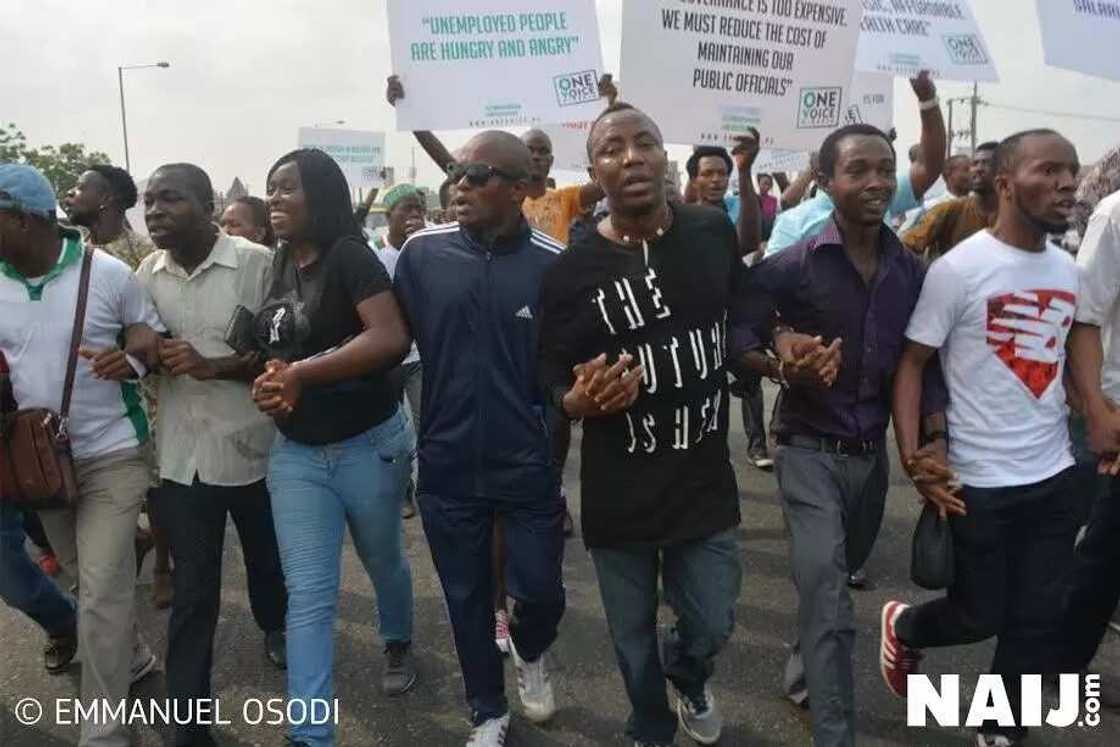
[
  {"x": 313, "y": 310},
  {"x": 659, "y": 473}
]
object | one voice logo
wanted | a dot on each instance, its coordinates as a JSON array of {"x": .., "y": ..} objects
[{"x": 1079, "y": 701}]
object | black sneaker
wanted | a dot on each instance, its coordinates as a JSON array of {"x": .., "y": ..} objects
[
  {"x": 59, "y": 651},
  {"x": 400, "y": 671},
  {"x": 276, "y": 648},
  {"x": 857, "y": 579}
]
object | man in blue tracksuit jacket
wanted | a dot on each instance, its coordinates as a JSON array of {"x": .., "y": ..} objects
[{"x": 470, "y": 292}]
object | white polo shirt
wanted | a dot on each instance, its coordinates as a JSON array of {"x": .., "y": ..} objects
[
  {"x": 209, "y": 429},
  {"x": 36, "y": 319}
]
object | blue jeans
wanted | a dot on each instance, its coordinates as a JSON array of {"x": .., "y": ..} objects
[
  {"x": 701, "y": 581},
  {"x": 24, "y": 586},
  {"x": 317, "y": 491}
]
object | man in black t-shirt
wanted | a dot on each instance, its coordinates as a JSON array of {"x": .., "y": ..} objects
[{"x": 653, "y": 287}]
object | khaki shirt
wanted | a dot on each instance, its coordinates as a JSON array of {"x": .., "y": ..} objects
[
  {"x": 945, "y": 226},
  {"x": 209, "y": 429},
  {"x": 130, "y": 247}
]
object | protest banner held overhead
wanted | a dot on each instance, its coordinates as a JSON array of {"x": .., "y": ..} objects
[
  {"x": 903, "y": 37},
  {"x": 706, "y": 74},
  {"x": 868, "y": 100},
  {"x": 360, "y": 154},
  {"x": 494, "y": 63},
  {"x": 1081, "y": 36}
]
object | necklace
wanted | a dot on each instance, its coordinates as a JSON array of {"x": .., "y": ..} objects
[{"x": 627, "y": 239}]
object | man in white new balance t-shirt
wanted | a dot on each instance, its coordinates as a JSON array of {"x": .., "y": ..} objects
[
  {"x": 998, "y": 309},
  {"x": 40, "y": 267}
]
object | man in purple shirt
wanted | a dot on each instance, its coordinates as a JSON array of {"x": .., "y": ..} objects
[{"x": 851, "y": 287}]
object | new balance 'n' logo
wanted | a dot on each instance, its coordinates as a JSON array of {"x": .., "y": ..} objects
[{"x": 524, "y": 313}]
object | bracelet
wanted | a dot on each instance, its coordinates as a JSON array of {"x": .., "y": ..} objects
[
  {"x": 925, "y": 106},
  {"x": 937, "y": 435}
]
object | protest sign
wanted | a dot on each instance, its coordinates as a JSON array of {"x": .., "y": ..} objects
[
  {"x": 706, "y": 73},
  {"x": 903, "y": 37},
  {"x": 1081, "y": 35},
  {"x": 360, "y": 154},
  {"x": 868, "y": 100},
  {"x": 495, "y": 63},
  {"x": 569, "y": 145}
]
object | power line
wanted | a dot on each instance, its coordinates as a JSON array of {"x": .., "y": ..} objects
[{"x": 1072, "y": 115}]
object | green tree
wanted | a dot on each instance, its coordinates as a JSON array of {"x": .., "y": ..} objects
[{"x": 62, "y": 165}]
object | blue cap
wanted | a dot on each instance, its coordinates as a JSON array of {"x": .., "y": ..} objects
[{"x": 24, "y": 189}]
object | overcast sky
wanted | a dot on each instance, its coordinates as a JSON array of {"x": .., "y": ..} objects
[{"x": 246, "y": 74}]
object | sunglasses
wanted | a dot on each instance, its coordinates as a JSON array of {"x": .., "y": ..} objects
[{"x": 478, "y": 174}]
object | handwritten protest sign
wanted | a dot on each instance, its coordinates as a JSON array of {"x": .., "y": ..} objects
[
  {"x": 1081, "y": 35},
  {"x": 905, "y": 36},
  {"x": 495, "y": 63},
  {"x": 360, "y": 154},
  {"x": 706, "y": 73}
]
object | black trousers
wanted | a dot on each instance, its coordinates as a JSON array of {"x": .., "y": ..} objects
[
  {"x": 1013, "y": 553},
  {"x": 194, "y": 518},
  {"x": 1094, "y": 588}
]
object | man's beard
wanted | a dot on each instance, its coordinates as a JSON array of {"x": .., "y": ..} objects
[{"x": 1041, "y": 224}]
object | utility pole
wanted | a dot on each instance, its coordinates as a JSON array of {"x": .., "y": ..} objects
[
  {"x": 975, "y": 102},
  {"x": 949, "y": 129}
]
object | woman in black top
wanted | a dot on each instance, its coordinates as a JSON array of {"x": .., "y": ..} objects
[{"x": 332, "y": 329}]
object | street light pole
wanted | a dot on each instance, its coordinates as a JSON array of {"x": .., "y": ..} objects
[{"x": 124, "y": 119}]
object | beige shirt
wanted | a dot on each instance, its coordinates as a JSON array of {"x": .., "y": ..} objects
[{"x": 209, "y": 429}]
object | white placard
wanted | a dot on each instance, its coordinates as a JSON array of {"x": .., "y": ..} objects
[
  {"x": 870, "y": 101},
  {"x": 359, "y": 153},
  {"x": 1081, "y": 35},
  {"x": 569, "y": 145},
  {"x": 495, "y": 63},
  {"x": 903, "y": 37},
  {"x": 770, "y": 161},
  {"x": 706, "y": 73}
]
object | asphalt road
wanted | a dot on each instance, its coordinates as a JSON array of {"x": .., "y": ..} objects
[{"x": 591, "y": 701}]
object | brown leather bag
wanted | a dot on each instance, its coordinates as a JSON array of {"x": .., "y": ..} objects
[{"x": 36, "y": 467}]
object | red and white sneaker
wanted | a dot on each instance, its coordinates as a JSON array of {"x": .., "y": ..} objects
[
  {"x": 501, "y": 631},
  {"x": 896, "y": 659}
]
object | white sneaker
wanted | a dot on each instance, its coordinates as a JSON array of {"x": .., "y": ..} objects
[
  {"x": 700, "y": 720},
  {"x": 143, "y": 661},
  {"x": 490, "y": 733},
  {"x": 533, "y": 687}
]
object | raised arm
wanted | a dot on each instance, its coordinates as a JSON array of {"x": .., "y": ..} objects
[
  {"x": 431, "y": 144},
  {"x": 748, "y": 224},
  {"x": 794, "y": 192},
  {"x": 925, "y": 171}
]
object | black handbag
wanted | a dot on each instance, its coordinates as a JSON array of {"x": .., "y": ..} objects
[{"x": 931, "y": 555}]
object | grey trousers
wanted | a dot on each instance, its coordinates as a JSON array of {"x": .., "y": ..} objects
[
  {"x": 833, "y": 507},
  {"x": 96, "y": 539}
]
